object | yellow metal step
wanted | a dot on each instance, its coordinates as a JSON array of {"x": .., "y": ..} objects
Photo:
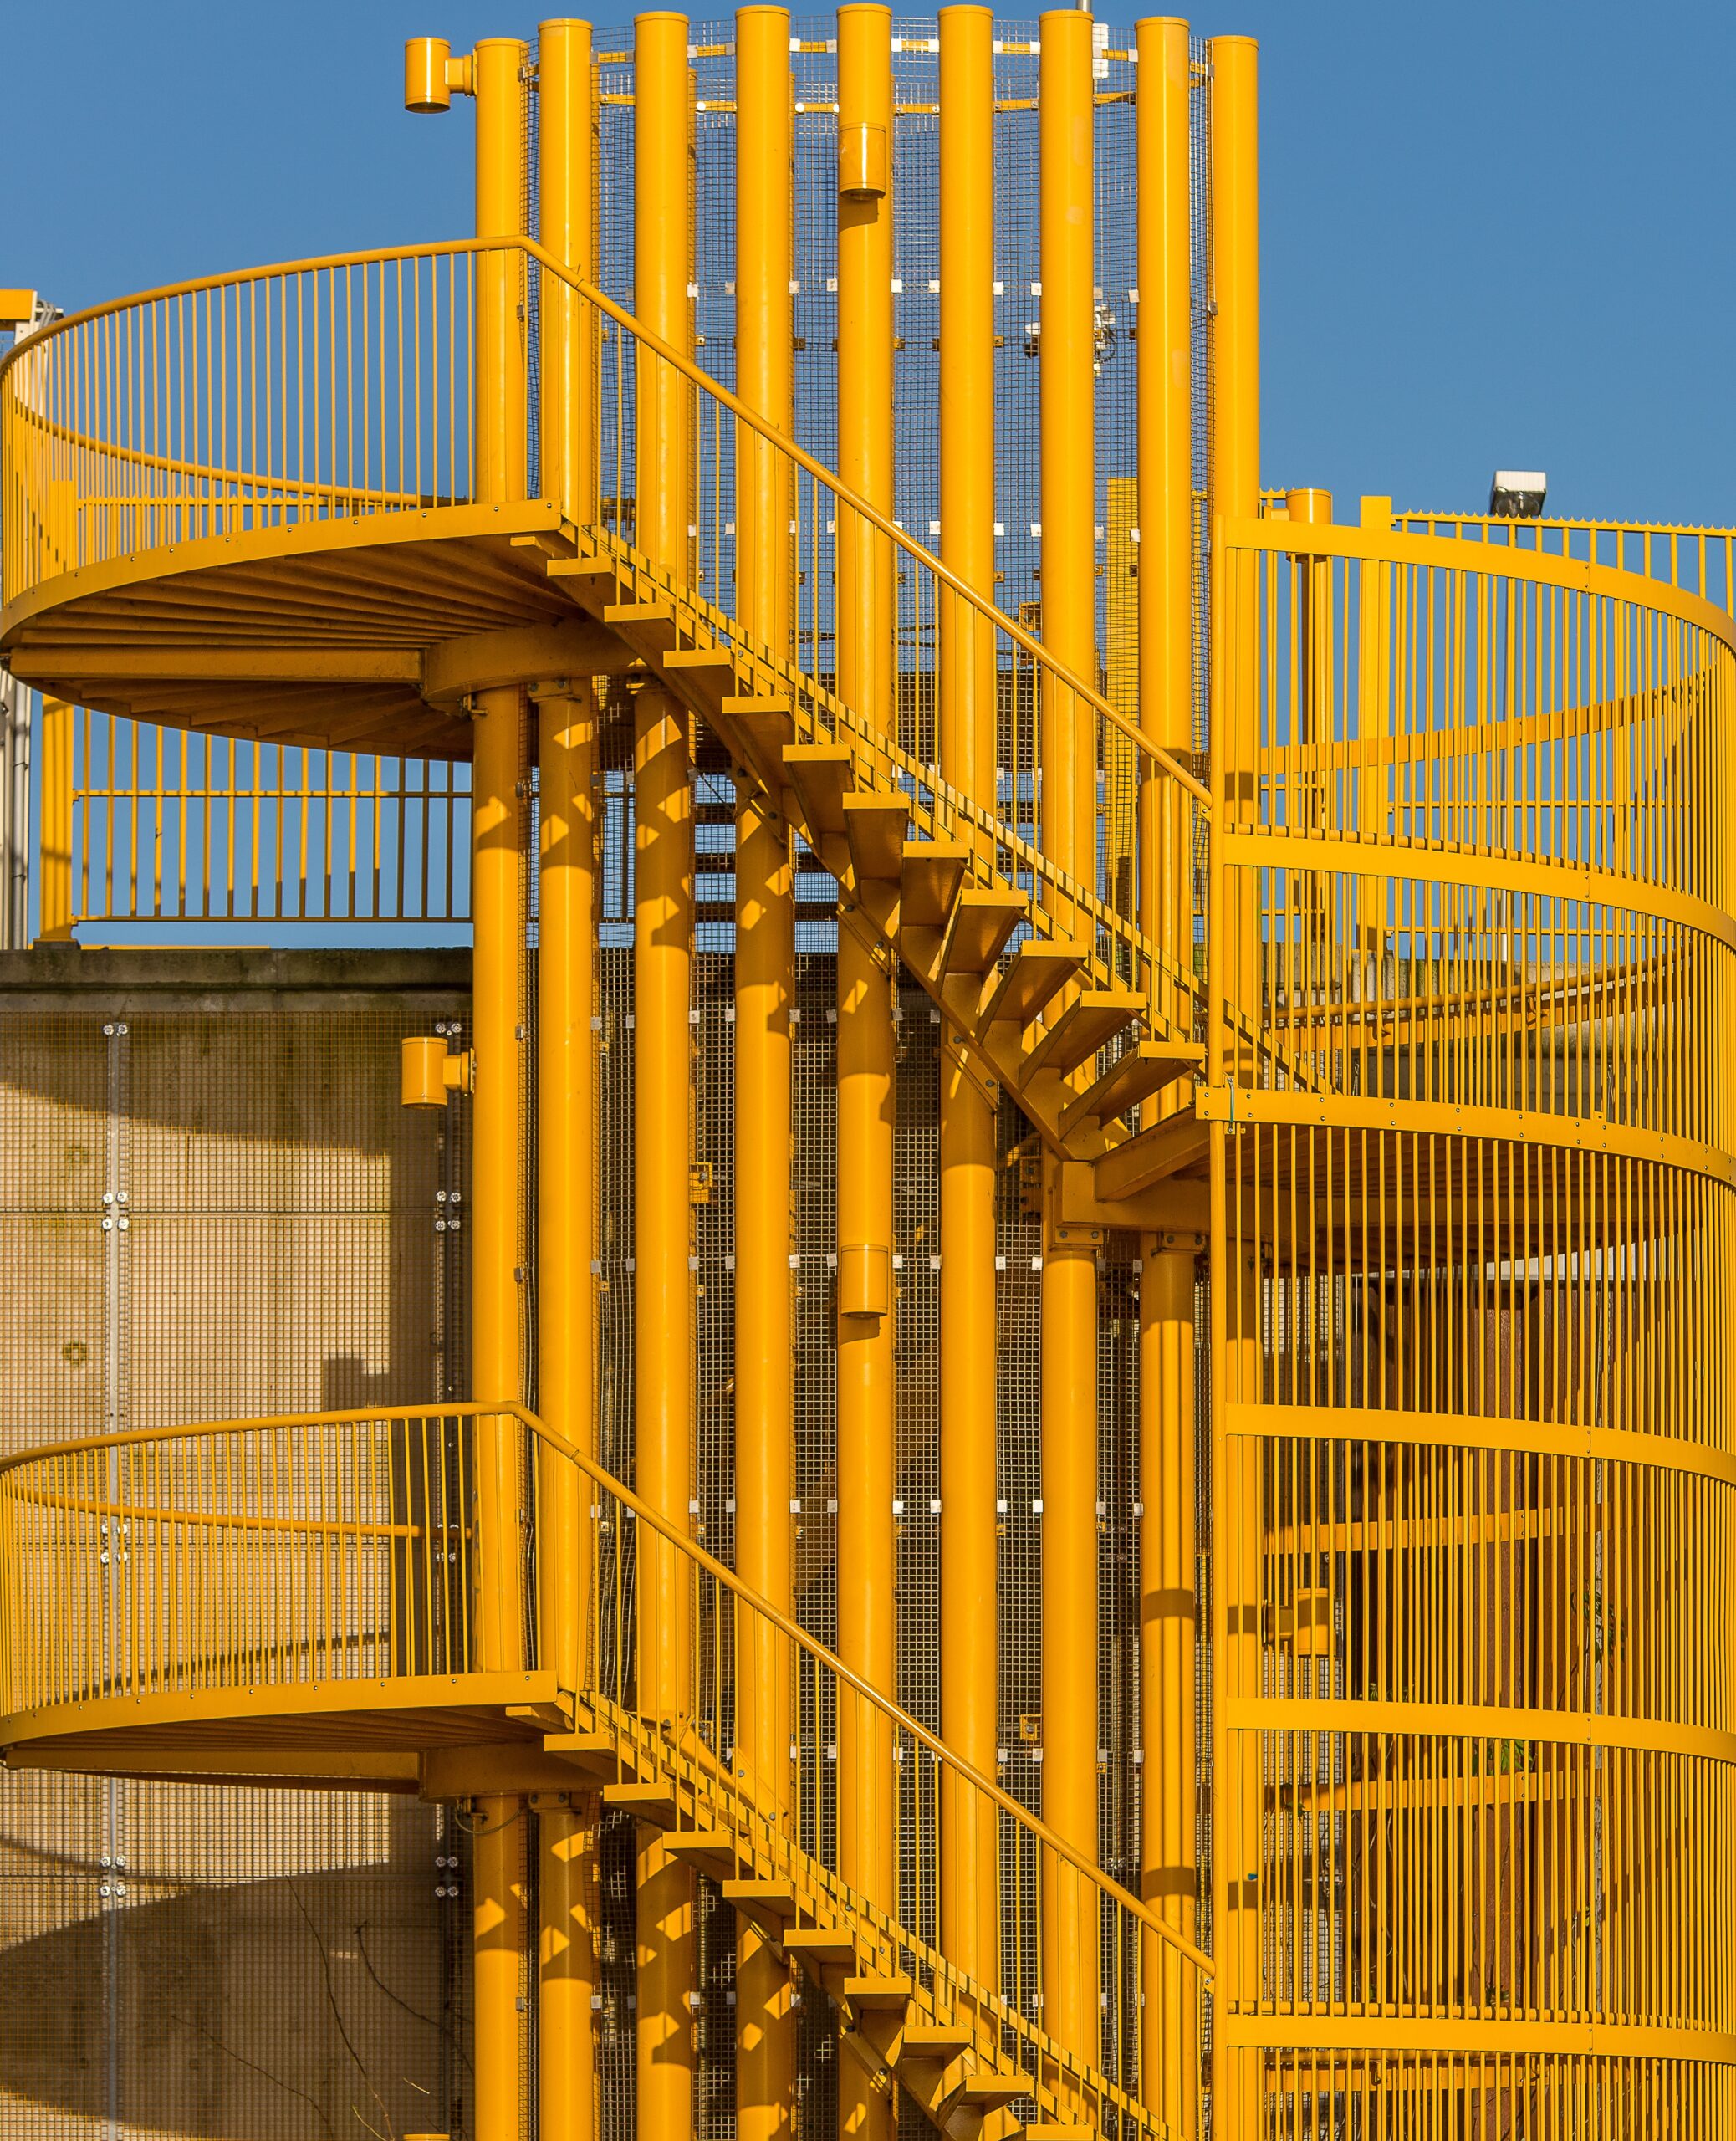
[
  {"x": 822, "y": 774},
  {"x": 1136, "y": 1074},
  {"x": 645, "y": 1803},
  {"x": 932, "y": 871},
  {"x": 982, "y": 922},
  {"x": 1039, "y": 970},
  {"x": 1088, "y": 1023},
  {"x": 875, "y": 825}
]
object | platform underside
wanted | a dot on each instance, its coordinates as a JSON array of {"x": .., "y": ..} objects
[{"x": 342, "y": 633}]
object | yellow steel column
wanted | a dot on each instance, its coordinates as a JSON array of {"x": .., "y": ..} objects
[
  {"x": 566, "y": 1084},
  {"x": 567, "y": 224},
  {"x": 499, "y": 778},
  {"x": 53, "y": 883},
  {"x": 867, "y": 1409},
  {"x": 1066, "y": 107},
  {"x": 499, "y": 1937},
  {"x": 662, "y": 986},
  {"x": 1169, "y": 2061},
  {"x": 566, "y": 1971},
  {"x": 764, "y": 990},
  {"x": 1168, "y": 1871},
  {"x": 970, "y": 1903},
  {"x": 1234, "y": 484}
]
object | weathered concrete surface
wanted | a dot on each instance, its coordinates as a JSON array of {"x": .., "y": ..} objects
[{"x": 280, "y": 1254}]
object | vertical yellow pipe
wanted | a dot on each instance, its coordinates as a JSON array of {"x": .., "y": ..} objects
[
  {"x": 1065, "y": 108},
  {"x": 1233, "y": 483},
  {"x": 54, "y": 886},
  {"x": 1169, "y": 2049},
  {"x": 502, "y": 123},
  {"x": 970, "y": 1905},
  {"x": 662, "y": 983},
  {"x": 566, "y": 1972},
  {"x": 1168, "y": 1868},
  {"x": 499, "y": 1962},
  {"x": 764, "y": 990},
  {"x": 567, "y": 225},
  {"x": 867, "y": 1412}
]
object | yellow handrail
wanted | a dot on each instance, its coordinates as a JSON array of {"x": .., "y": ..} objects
[{"x": 790, "y": 1630}]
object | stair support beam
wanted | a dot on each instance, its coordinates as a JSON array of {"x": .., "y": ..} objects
[
  {"x": 1169, "y": 1868},
  {"x": 969, "y": 1895},
  {"x": 665, "y": 1951},
  {"x": 499, "y": 1250},
  {"x": 566, "y": 1969},
  {"x": 866, "y": 1045},
  {"x": 1070, "y": 1961},
  {"x": 765, "y": 2050}
]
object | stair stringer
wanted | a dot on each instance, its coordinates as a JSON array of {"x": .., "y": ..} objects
[
  {"x": 887, "y": 1986},
  {"x": 761, "y": 705}
]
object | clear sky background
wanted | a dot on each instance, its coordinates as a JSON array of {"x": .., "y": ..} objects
[{"x": 1493, "y": 231}]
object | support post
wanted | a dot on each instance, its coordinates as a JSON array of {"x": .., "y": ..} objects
[
  {"x": 567, "y": 224},
  {"x": 867, "y": 1409},
  {"x": 54, "y": 888},
  {"x": 1169, "y": 1867},
  {"x": 1170, "y": 2040},
  {"x": 662, "y": 983},
  {"x": 499, "y": 1963},
  {"x": 499, "y": 1251},
  {"x": 970, "y": 1544},
  {"x": 764, "y": 994},
  {"x": 1066, "y": 117},
  {"x": 1237, "y": 1286},
  {"x": 566, "y": 1971}
]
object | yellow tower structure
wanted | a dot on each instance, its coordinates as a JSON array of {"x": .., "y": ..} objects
[{"x": 1092, "y": 1489}]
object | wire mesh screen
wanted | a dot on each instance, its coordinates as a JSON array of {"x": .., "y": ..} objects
[{"x": 222, "y": 1210}]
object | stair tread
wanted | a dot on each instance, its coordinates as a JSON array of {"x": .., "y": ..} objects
[
  {"x": 653, "y": 1801},
  {"x": 824, "y": 1942},
  {"x": 1038, "y": 970},
  {"x": 1092, "y": 1019},
  {"x": 1135, "y": 1074},
  {"x": 881, "y": 1992},
  {"x": 931, "y": 874},
  {"x": 937, "y": 2039},
  {"x": 822, "y": 775},
  {"x": 704, "y": 1844},
  {"x": 875, "y": 826},
  {"x": 638, "y": 613},
  {"x": 775, "y": 1900},
  {"x": 984, "y": 918}
]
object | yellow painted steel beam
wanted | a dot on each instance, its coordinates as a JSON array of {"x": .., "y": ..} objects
[
  {"x": 663, "y": 979},
  {"x": 764, "y": 996},
  {"x": 1068, "y": 746},
  {"x": 566, "y": 1969},
  {"x": 970, "y": 1546},
  {"x": 499, "y": 1248},
  {"x": 54, "y": 836},
  {"x": 499, "y": 1963},
  {"x": 1170, "y": 2048},
  {"x": 866, "y": 1045},
  {"x": 567, "y": 211},
  {"x": 1169, "y": 1868}
]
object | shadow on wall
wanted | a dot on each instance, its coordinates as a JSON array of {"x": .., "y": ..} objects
[{"x": 307, "y": 2008}]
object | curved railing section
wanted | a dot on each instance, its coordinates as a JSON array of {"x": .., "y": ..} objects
[
  {"x": 203, "y": 1573},
  {"x": 1476, "y": 1752},
  {"x": 277, "y": 398}
]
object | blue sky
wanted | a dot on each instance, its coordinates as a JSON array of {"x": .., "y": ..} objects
[{"x": 1492, "y": 232}]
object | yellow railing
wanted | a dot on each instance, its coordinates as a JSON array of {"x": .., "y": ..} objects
[
  {"x": 1699, "y": 560},
  {"x": 212, "y": 1563},
  {"x": 246, "y": 405},
  {"x": 1474, "y": 1467}
]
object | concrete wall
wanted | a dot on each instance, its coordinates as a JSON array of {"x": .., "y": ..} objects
[{"x": 191, "y": 1959}]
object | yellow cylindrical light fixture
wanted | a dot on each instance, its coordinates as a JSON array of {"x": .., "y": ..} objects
[
  {"x": 970, "y": 1544},
  {"x": 500, "y": 1964},
  {"x": 567, "y": 227},
  {"x": 502, "y": 126},
  {"x": 1067, "y": 742},
  {"x": 566, "y": 1971},
  {"x": 425, "y": 61},
  {"x": 764, "y": 995}
]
